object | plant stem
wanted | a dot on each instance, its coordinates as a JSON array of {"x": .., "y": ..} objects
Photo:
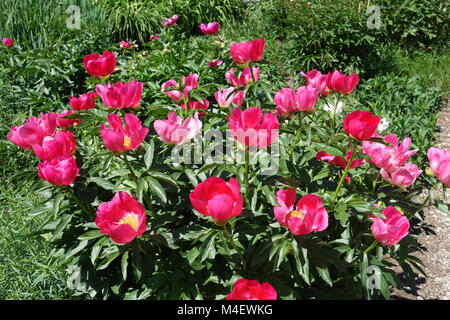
[
  {"x": 244, "y": 265},
  {"x": 69, "y": 191},
  {"x": 246, "y": 166},
  {"x": 334, "y": 112},
  {"x": 342, "y": 178},
  {"x": 373, "y": 245}
]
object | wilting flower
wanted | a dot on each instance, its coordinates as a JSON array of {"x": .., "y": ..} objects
[
  {"x": 215, "y": 63},
  {"x": 391, "y": 230},
  {"x": 244, "y": 77},
  {"x": 100, "y": 66},
  {"x": 7, "y": 42},
  {"x": 402, "y": 177},
  {"x": 62, "y": 143},
  {"x": 123, "y": 218},
  {"x": 84, "y": 102},
  {"x": 244, "y": 289},
  {"x": 117, "y": 139},
  {"x": 317, "y": 80},
  {"x": 389, "y": 158},
  {"x": 189, "y": 83},
  {"x": 236, "y": 98},
  {"x": 33, "y": 131},
  {"x": 361, "y": 125},
  {"x": 210, "y": 28},
  {"x": 175, "y": 131},
  {"x": 153, "y": 37},
  {"x": 167, "y": 22},
  {"x": 247, "y": 51},
  {"x": 121, "y": 95},
  {"x": 59, "y": 171},
  {"x": 251, "y": 128},
  {"x": 440, "y": 164},
  {"x": 66, "y": 123},
  {"x": 125, "y": 44},
  {"x": 340, "y": 83},
  {"x": 307, "y": 216},
  {"x": 216, "y": 199}
]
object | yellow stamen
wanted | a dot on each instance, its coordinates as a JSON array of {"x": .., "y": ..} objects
[
  {"x": 298, "y": 214},
  {"x": 131, "y": 220},
  {"x": 126, "y": 142}
]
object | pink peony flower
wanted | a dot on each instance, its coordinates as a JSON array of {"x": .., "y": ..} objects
[
  {"x": 317, "y": 80},
  {"x": 251, "y": 128},
  {"x": 100, "y": 66},
  {"x": 244, "y": 78},
  {"x": 153, "y": 37},
  {"x": 286, "y": 101},
  {"x": 124, "y": 44},
  {"x": 59, "y": 171},
  {"x": 236, "y": 98},
  {"x": 308, "y": 215},
  {"x": 167, "y": 22},
  {"x": 440, "y": 164},
  {"x": 306, "y": 98},
  {"x": 62, "y": 143},
  {"x": 174, "y": 131},
  {"x": 33, "y": 131},
  {"x": 84, "y": 102},
  {"x": 391, "y": 230},
  {"x": 402, "y": 177},
  {"x": 66, "y": 123},
  {"x": 210, "y": 28},
  {"x": 244, "y": 289},
  {"x": 340, "y": 83},
  {"x": 245, "y": 52},
  {"x": 7, "y": 42},
  {"x": 216, "y": 199},
  {"x": 117, "y": 139},
  {"x": 189, "y": 83},
  {"x": 361, "y": 125},
  {"x": 123, "y": 218},
  {"x": 215, "y": 63},
  {"x": 121, "y": 95},
  {"x": 204, "y": 105}
]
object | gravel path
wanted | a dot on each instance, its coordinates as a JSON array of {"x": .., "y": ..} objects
[{"x": 434, "y": 234}]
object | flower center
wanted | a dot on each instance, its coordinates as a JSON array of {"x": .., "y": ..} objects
[
  {"x": 126, "y": 142},
  {"x": 131, "y": 220},
  {"x": 297, "y": 214}
]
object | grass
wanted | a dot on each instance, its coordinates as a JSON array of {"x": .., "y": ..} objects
[{"x": 26, "y": 273}]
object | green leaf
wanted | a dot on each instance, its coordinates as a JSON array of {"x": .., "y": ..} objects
[
  {"x": 149, "y": 154},
  {"x": 105, "y": 184},
  {"x": 157, "y": 188},
  {"x": 124, "y": 265},
  {"x": 325, "y": 275},
  {"x": 207, "y": 249},
  {"x": 93, "y": 234}
]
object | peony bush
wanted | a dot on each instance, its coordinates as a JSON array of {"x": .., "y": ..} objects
[{"x": 301, "y": 197}]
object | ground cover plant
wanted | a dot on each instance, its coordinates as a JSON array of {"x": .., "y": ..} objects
[{"x": 206, "y": 167}]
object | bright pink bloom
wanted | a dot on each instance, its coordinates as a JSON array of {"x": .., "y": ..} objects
[
  {"x": 338, "y": 161},
  {"x": 59, "y": 171},
  {"x": 243, "y": 78},
  {"x": 125, "y": 44},
  {"x": 402, "y": 177},
  {"x": 189, "y": 83},
  {"x": 66, "y": 123},
  {"x": 340, "y": 83},
  {"x": 216, "y": 199},
  {"x": 33, "y": 131},
  {"x": 121, "y": 95},
  {"x": 391, "y": 230},
  {"x": 100, "y": 66},
  {"x": 440, "y": 164},
  {"x": 153, "y": 37},
  {"x": 251, "y": 128},
  {"x": 7, "y": 42},
  {"x": 308, "y": 215},
  {"x": 244, "y": 289},
  {"x": 215, "y": 63},
  {"x": 123, "y": 218},
  {"x": 84, "y": 102},
  {"x": 167, "y": 22},
  {"x": 389, "y": 158},
  {"x": 62, "y": 143},
  {"x": 117, "y": 139},
  {"x": 361, "y": 125},
  {"x": 210, "y": 28},
  {"x": 175, "y": 131},
  {"x": 204, "y": 105},
  {"x": 247, "y": 51},
  {"x": 306, "y": 98},
  {"x": 286, "y": 101},
  {"x": 317, "y": 80},
  {"x": 236, "y": 98}
]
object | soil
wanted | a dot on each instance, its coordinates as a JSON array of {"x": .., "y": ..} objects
[{"x": 434, "y": 234}]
